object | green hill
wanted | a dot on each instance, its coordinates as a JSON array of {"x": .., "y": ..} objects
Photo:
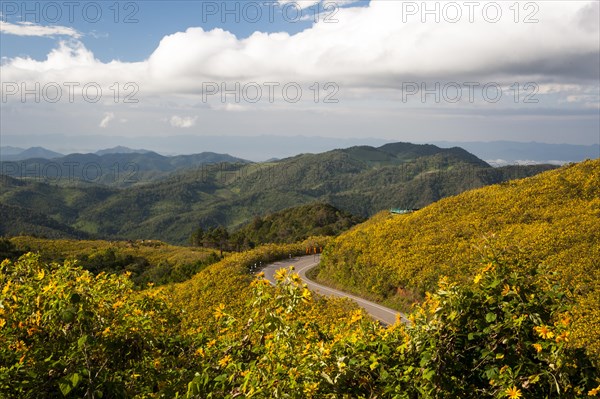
[
  {"x": 119, "y": 169},
  {"x": 147, "y": 261},
  {"x": 296, "y": 224},
  {"x": 358, "y": 180},
  {"x": 552, "y": 218}
]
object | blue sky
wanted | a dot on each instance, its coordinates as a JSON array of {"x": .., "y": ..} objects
[{"x": 393, "y": 70}]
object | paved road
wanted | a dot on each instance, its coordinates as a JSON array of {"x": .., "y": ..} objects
[{"x": 305, "y": 263}]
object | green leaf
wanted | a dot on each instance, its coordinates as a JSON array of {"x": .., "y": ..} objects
[
  {"x": 490, "y": 317},
  {"x": 428, "y": 374},
  {"x": 65, "y": 387},
  {"x": 82, "y": 341},
  {"x": 75, "y": 379}
]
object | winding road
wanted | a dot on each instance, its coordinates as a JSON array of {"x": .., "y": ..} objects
[{"x": 305, "y": 263}]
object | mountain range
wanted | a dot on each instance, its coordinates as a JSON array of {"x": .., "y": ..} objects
[
  {"x": 361, "y": 180},
  {"x": 119, "y": 166},
  {"x": 261, "y": 148}
]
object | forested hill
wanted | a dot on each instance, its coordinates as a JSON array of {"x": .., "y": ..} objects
[
  {"x": 119, "y": 169},
  {"x": 551, "y": 219},
  {"x": 359, "y": 180},
  {"x": 287, "y": 226}
]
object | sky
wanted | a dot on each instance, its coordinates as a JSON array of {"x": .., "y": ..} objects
[{"x": 380, "y": 69}]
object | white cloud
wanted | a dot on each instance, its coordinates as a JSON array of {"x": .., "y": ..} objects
[
  {"x": 183, "y": 122},
  {"x": 369, "y": 53},
  {"x": 108, "y": 117},
  {"x": 31, "y": 29},
  {"x": 370, "y": 47}
]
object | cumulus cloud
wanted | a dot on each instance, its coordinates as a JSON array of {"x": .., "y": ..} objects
[
  {"x": 30, "y": 29},
  {"x": 108, "y": 117},
  {"x": 183, "y": 122},
  {"x": 376, "y": 47}
]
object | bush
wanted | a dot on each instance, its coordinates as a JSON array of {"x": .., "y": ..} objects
[{"x": 66, "y": 332}]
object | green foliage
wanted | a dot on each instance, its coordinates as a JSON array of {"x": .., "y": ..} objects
[
  {"x": 8, "y": 250},
  {"x": 296, "y": 224},
  {"x": 552, "y": 217},
  {"x": 505, "y": 336},
  {"x": 146, "y": 261},
  {"x": 228, "y": 282},
  {"x": 359, "y": 180},
  {"x": 287, "y": 226},
  {"x": 66, "y": 332},
  {"x": 509, "y": 331}
]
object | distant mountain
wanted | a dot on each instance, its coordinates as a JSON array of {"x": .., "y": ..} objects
[
  {"x": 13, "y": 153},
  {"x": 360, "y": 180},
  {"x": 501, "y": 153},
  {"x": 8, "y": 150},
  {"x": 255, "y": 148},
  {"x": 120, "y": 150},
  {"x": 118, "y": 169}
]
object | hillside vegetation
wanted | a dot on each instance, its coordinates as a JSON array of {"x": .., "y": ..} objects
[
  {"x": 114, "y": 169},
  {"x": 67, "y": 333},
  {"x": 359, "y": 180},
  {"x": 146, "y": 261},
  {"x": 552, "y": 218},
  {"x": 284, "y": 227}
]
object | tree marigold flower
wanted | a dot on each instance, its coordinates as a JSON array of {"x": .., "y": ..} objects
[
  {"x": 544, "y": 332},
  {"x": 513, "y": 393},
  {"x": 225, "y": 361},
  {"x": 563, "y": 337}
]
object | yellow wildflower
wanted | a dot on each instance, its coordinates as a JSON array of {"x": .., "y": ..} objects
[
  {"x": 40, "y": 275},
  {"x": 305, "y": 294},
  {"x": 280, "y": 274},
  {"x": 544, "y": 332},
  {"x": 594, "y": 392},
  {"x": 563, "y": 337},
  {"x": 310, "y": 389},
  {"x": 506, "y": 290},
  {"x": 477, "y": 278},
  {"x": 356, "y": 316},
  {"x": 225, "y": 361},
  {"x": 219, "y": 311},
  {"x": 513, "y": 393},
  {"x": 537, "y": 347}
]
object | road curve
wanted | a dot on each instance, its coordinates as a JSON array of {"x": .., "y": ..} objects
[{"x": 305, "y": 263}]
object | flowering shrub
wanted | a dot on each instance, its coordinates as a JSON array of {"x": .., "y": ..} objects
[
  {"x": 505, "y": 336},
  {"x": 554, "y": 217},
  {"x": 66, "y": 332}
]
